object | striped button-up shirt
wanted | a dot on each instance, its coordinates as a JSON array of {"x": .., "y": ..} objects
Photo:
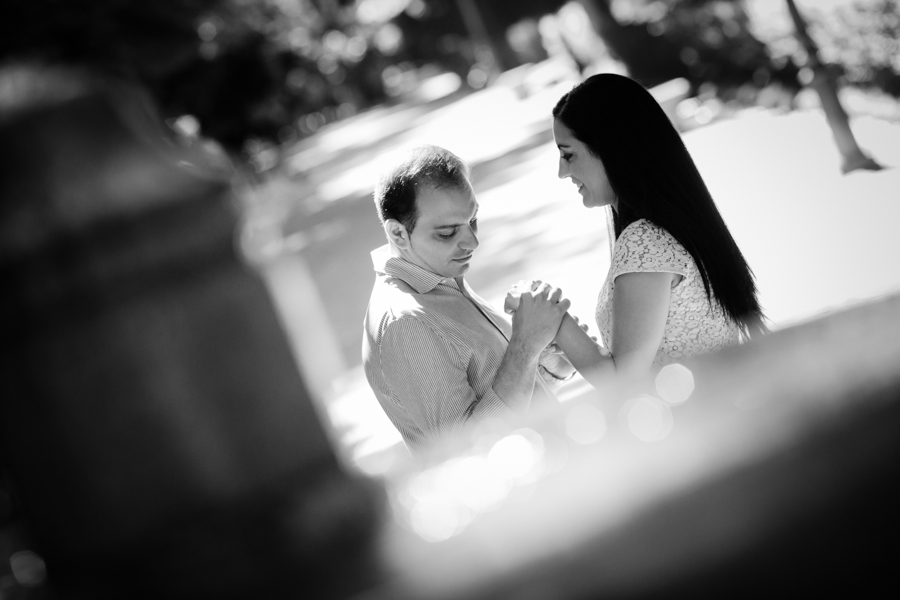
[{"x": 431, "y": 350}]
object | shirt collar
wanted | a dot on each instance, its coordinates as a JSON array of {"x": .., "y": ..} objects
[{"x": 421, "y": 280}]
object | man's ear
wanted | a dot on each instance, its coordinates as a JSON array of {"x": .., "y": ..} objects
[{"x": 396, "y": 233}]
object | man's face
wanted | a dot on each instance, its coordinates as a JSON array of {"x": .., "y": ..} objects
[{"x": 445, "y": 234}]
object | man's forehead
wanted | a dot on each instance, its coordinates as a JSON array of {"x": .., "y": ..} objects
[{"x": 446, "y": 206}]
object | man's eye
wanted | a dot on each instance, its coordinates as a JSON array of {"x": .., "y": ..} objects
[{"x": 446, "y": 236}]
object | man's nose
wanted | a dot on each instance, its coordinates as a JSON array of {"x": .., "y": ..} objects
[{"x": 469, "y": 241}]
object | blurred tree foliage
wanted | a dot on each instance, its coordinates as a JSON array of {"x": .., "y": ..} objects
[
  {"x": 700, "y": 40},
  {"x": 865, "y": 41},
  {"x": 256, "y": 72},
  {"x": 859, "y": 41},
  {"x": 434, "y": 32},
  {"x": 657, "y": 40},
  {"x": 245, "y": 69}
]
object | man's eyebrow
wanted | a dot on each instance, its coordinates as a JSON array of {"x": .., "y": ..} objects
[{"x": 452, "y": 225}]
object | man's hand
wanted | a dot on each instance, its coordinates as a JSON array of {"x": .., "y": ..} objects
[
  {"x": 537, "y": 317},
  {"x": 537, "y": 314}
]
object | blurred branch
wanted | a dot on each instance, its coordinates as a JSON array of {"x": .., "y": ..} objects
[{"x": 474, "y": 22}]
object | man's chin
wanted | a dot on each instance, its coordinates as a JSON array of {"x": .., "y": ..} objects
[{"x": 459, "y": 269}]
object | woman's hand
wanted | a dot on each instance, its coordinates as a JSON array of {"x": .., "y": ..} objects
[
  {"x": 553, "y": 366},
  {"x": 537, "y": 316},
  {"x": 511, "y": 303}
]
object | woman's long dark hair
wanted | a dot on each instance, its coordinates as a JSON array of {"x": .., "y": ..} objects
[{"x": 654, "y": 178}]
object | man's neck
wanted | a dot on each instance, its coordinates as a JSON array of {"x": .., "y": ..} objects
[{"x": 398, "y": 253}]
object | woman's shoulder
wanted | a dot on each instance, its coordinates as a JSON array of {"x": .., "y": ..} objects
[
  {"x": 645, "y": 246},
  {"x": 646, "y": 232}
]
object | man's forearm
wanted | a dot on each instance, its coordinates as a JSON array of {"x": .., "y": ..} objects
[
  {"x": 514, "y": 381},
  {"x": 535, "y": 321}
]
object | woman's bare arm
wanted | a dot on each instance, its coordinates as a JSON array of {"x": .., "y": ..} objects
[{"x": 640, "y": 307}]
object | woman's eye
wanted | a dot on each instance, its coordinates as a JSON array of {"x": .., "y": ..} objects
[
  {"x": 567, "y": 156},
  {"x": 473, "y": 223}
]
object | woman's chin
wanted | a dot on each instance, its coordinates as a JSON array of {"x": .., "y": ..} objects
[
  {"x": 592, "y": 202},
  {"x": 589, "y": 202}
]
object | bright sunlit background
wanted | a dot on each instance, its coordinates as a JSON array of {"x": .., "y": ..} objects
[{"x": 816, "y": 239}]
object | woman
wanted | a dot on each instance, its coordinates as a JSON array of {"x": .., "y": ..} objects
[{"x": 678, "y": 285}]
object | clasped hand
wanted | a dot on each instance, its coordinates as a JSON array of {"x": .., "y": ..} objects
[{"x": 537, "y": 309}]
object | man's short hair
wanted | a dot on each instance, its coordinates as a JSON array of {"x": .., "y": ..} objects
[{"x": 421, "y": 168}]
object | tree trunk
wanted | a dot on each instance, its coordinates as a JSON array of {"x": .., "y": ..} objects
[
  {"x": 852, "y": 156},
  {"x": 650, "y": 59},
  {"x": 480, "y": 32}
]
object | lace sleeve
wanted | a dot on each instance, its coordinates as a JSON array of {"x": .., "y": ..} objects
[{"x": 645, "y": 248}]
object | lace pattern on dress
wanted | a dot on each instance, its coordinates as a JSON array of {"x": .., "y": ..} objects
[{"x": 693, "y": 327}]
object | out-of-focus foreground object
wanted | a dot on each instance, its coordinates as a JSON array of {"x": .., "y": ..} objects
[
  {"x": 159, "y": 438},
  {"x": 764, "y": 470}
]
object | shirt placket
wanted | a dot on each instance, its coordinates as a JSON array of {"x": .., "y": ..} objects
[
  {"x": 540, "y": 380},
  {"x": 484, "y": 313}
]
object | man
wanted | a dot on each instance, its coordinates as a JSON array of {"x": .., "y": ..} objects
[{"x": 435, "y": 354}]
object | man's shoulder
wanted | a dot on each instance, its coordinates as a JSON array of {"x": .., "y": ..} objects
[
  {"x": 393, "y": 302},
  {"x": 393, "y": 295}
]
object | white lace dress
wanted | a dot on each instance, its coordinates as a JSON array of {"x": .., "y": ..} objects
[{"x": 692, "y": 326}]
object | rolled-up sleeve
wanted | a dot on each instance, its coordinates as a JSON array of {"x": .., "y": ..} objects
[{"x": 428, "y": 375}]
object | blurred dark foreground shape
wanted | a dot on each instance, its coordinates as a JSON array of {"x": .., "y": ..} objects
[
  {"x": 160, "y": 442},
  {"x": 158, "y": 436}
]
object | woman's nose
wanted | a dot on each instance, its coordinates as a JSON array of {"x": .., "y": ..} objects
[{"x": 563, "y": 171}]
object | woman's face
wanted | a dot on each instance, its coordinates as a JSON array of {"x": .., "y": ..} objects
[{"x": 584, "y": 169}]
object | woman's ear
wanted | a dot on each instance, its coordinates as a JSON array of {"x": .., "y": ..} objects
[{"x": 396, "y": 233}]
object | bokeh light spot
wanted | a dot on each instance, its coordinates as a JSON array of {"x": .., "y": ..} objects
[
  {"x": 388, "y": 39},
  {"x": 675, "y": 384},
  {"x": 514, "y": 456},
  {"x": 585, "y": 424},
  {"x": 186, "y": 125},
  {"x": 474, "y": 483},
  {"x": 648, "y": 418},
  {"x": 28, "y": 568},
  {"x": 436, "y": 519},
  {"x": 207, "y": 31},
  {"x": 477, "y": 78},
  {"x": 356, "y": 48}
]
